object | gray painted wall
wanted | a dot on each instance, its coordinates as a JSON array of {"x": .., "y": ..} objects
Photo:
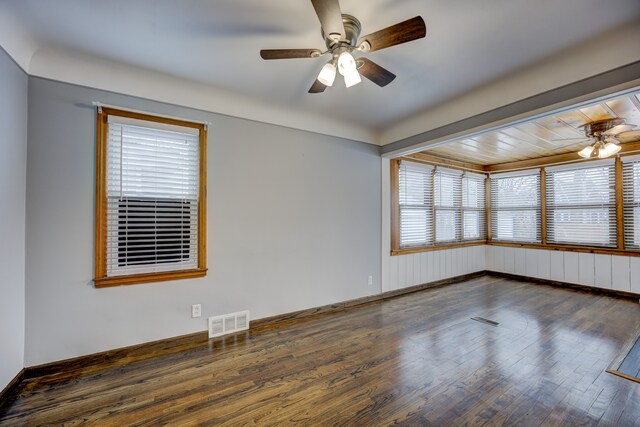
[
  {"x": 13, "y": 175},
  {"x": 293, "y": 222}
]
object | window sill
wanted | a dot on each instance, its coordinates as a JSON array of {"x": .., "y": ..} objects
[
  {"x": 136, "y": 279},
  {"x": 436, "y": 248}
]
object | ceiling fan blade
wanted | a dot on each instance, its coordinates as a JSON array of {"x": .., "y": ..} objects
[
  {"x": 578, "y": 143},
  {"x": 374, "y": 72},
  {"x": 406, "y": 31},
  {"x": 583, "y": 138},
  {"x": 330, "y": 17},
  {"x": 317, "y": 87},
  {"x": 629, "y": 136},
  {"x": 289, "y": 53},
  {"x": 616, "y": 130}
]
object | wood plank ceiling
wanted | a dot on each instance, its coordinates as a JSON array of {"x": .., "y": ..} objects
[{"x": 546, "y": 136}]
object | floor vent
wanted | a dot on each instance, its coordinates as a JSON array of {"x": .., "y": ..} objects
[
  {"x": 483, "y": 320},
  {"x": 228, "y": 323}
]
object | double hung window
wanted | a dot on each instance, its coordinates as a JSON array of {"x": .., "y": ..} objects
[
  {"x": 515, "y": 207},
  {"x": 581, "y": 204},
  {"x": 631, "y": 184},
  {"x": 150, "y": 202}
]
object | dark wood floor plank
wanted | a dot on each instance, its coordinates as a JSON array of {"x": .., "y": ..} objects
[{"x": 416, "y": 359}]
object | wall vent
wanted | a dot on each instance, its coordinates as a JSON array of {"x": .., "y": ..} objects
[{"x": 228, "y": 323}]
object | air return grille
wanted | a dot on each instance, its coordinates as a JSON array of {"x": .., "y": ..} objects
[{"x": 228, "y": 323}]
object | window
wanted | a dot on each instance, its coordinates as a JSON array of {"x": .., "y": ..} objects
[
  {"x": 439, "y": 206},
  {"x": 447, "y": 185},
  {"x": 581, "y": 205},
  {"x": 473, "y": 212},
  {"x": 631, "y": 184},
  {"x": 415, "y": 198},
  {"x": 515, "y": 207},
  {"x": 150, "y": 200}
]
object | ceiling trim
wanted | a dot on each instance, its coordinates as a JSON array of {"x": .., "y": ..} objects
[
  {"x": 626, "y": 148},
  {"x": 619, "y": 79},
  {"x": 85, "y": 70}
]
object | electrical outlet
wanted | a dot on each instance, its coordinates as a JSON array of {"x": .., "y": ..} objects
[
  {"x": 370, "y": 281},
  {"x": 196, "y": 310}
]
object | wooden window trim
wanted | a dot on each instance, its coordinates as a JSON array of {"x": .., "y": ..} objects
[
  {"x": 619, "y": 182},
  {"x": 100, "y": 257},
  {"x": 437, "y": 247},
  {"x": 628, "y": 149},
  {"x": 395, "y": 207}
]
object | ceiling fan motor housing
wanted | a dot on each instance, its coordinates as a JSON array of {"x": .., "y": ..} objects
[
  {"x": 352, "y": 30},
  {"x": 599, "y": 127}
]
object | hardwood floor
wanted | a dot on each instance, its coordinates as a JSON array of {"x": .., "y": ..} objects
[{"x": 413, "y": 360}]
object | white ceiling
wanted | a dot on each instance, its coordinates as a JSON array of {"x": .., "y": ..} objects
[{"x": 469, "y": 43}]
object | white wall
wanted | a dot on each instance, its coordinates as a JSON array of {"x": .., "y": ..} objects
[
  {"x": 621, "y": 273},
  {"x": 293, "y": 222},
  {"x": 13, "y": 175}
]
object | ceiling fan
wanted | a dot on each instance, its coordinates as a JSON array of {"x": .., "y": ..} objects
[
  {"x": 606, "y": 134},
  {"x": 341, "y": 33}
]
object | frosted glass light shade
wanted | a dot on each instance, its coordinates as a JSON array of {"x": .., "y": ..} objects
[
  {"x": 586, "y": 152},
  {"x": 608, "y": 150},
  {"x": 352, "y": 79},
  {"x": 346, "y": 63},
  {"x": 327, "y": 74}
]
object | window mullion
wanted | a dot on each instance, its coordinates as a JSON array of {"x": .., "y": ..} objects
[{"x": 619, "y": 197}]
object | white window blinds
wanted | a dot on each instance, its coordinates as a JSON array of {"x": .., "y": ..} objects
[
  {"x": 631, "y": 185},
  {"x": 473, "y": 211},
  {"x": 152, "y": 197},
  {"x": 447, "y": 203},
  {"x": 515, "y": 207},
  {"x": 416, "y": 204},
  {"x": 581, "y": 206}
]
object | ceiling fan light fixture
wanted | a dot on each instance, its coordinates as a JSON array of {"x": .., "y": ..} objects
[
  {"x": 346, "y": 64},
  {"x": 352, "y": 79},
  {"x": 608, "y": 150},
  {"x": 327, "y": 74},
  {"x": 586, "y": 152}
]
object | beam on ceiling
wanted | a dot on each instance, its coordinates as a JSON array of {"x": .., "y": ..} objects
[{"x": 618, "y": 79}]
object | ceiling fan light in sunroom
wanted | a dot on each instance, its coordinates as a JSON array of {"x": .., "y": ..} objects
[{"x": 586, "y": 152}]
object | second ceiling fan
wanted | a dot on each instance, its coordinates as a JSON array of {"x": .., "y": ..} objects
[{"x": 341, "y": 34}]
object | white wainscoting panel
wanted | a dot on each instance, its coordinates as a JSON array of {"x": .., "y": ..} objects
[
  {"x": 510, "y": 260},
  {"x": 489, "y": 257},
  {"x": 531, "y": 262},
  {"x": 392, "y": 278},
  {"x": 436, "y": 265},
  {"x": 424, "y": 267},
  {"x": 587, "y": 269},
  {"x": 557, "y": 265},
  {"x": 544, "y": 263},
  {"x": 409, "y": 270},
  {"x": 621, "y": 273},
  {"x": 603, "y": 271},
  {"x": 598, "y": 270},
  {"x": 635, "y": 274},
  {"x": 402, "y": 272},
  {"x": 571, "y": 266},
  {"x": 498, "y": 261}
]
